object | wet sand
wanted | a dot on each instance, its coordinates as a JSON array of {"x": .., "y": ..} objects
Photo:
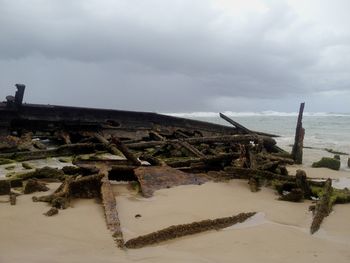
[{"x": 279, "y": 232}]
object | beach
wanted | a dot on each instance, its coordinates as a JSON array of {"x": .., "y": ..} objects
[{"x": 278, "y": 232}]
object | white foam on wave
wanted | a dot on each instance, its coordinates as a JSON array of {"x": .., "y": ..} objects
[{"x": 203, "y": 114}]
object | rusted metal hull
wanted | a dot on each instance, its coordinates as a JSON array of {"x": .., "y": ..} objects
[{"x": 49, "y": 118}]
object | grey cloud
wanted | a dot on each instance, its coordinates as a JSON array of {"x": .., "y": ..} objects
[{"x": 164, "y": 55}]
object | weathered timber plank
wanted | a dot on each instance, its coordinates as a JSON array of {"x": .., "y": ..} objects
[{"x": 177, "y": 231}]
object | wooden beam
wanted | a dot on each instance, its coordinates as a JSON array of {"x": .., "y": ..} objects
[
  {"x": 110, "y": 208},
  {"x": 297, "y": 151},
  {"x": 177, "y": 231}
]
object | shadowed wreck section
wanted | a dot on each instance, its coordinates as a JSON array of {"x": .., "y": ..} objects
[{"x": 177, "y": 231}]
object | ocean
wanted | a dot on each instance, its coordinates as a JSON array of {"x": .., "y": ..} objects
[{"x": 322, "y": 130}]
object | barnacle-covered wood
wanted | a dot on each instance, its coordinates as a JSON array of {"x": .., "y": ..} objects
[
  {"x": 110, "y": 208},
  {"x": 323, "y": 207},
  {"x": 73, "y": 187},
  {"x": 177, "y": 231}
]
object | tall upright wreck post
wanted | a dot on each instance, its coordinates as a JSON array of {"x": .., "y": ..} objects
[
  {"x": 19, "y": 94},
  {"x": 297, "y": 151}
]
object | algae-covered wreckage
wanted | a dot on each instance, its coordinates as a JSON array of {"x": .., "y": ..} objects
[{"x": 149, "y": 150}]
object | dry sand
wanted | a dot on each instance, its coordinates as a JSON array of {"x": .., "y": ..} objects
[{"x": 278, "y": 233}]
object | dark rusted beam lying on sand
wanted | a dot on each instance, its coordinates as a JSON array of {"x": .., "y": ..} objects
[{"x": 177, "y": 231}]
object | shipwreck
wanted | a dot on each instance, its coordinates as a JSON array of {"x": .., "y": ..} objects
[{"x": 150, "y": 150}]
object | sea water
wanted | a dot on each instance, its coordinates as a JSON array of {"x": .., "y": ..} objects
[{"x": 322, "y": 130}]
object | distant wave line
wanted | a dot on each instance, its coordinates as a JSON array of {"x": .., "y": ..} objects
[{"x": 252, "y": 114}]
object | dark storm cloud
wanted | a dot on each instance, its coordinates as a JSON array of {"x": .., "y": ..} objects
[{"x": 165, "y": 55}]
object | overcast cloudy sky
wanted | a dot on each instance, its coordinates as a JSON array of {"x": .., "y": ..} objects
[{"x": 178, "y": 55}]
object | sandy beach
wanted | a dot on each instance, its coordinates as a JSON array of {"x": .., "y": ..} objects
[{"x": 278, "y": 232}]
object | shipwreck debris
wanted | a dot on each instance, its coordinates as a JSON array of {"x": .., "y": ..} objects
[
  {"x": 157, "y": 177},
  {"x": 177, "y": 231},
  {"x": 327, "y": 162},
  {"x": 110, "y": 208},
  {"x": 13, "y": 198},
  {"x": 5, "y": 187},
  {"x": 51, "y": 212},
  {"x": 297, "y": 151},
  {"x": 150, "y": 151},
  {"x": 34, "y": 185},
  {"x": 323, "y": 207}
]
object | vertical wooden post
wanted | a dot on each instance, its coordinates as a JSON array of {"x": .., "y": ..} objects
[
  {"x": 19, "y": 94},
  {"x": 297, "y": 152}
]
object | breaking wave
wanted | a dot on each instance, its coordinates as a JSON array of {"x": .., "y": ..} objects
[{"x": 248, "y": 114}]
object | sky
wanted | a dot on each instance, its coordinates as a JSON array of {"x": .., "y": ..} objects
[{"x": 178, "y": 55}]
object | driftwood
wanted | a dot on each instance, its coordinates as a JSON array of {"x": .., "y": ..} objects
[
  {"x": 323, "y": 207},
  {"x": 110, "y": 208},
  {"x": 177, "y": 231}
]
